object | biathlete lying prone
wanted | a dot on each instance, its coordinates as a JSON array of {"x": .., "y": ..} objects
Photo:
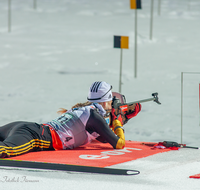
[{"x": 78, "y": 126}]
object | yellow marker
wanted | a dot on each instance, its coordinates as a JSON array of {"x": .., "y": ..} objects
[
  {"x": 133, "y": 4},
  {"x": 124, "y": 42}
]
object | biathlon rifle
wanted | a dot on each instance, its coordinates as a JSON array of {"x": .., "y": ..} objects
[
  {"x": 175, "y": 144},
  {"x": 123, "y": 108}
]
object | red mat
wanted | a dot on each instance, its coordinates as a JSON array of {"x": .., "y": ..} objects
[
  {"x": 197, "y": 176},
  {"x": 94, "y": 154}
]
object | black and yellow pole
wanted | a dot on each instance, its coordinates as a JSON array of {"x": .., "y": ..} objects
[
  {"x": 135, "y": 4},
  {"x": 121, "y": 42},
  {"x": 9, "y": 15}
]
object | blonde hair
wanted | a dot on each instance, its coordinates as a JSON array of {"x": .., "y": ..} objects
[{"x": 78, "y": 105}]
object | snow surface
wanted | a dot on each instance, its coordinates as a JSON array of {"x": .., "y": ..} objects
[{"x": 53, "y": 54}]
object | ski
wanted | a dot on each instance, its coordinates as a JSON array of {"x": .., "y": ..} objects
[{"x": 65, "y": 167}]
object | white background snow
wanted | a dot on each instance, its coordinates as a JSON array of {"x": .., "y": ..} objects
[{"x": 54, "y": 53}]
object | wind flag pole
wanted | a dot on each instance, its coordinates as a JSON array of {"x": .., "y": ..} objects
[
  {"x": 182, "y": 107},
  {"x": 159, "y": 7},
  {"x": 182, "y": 74},
  {"x": 34, "y": 4},
  {"x": 188, "y": 4},
  {"x": 151, "y": 21},
  {"x": 135, "y": 4},
  {"x": 121, "y": 42},
  {"x": 9, "y": 15},
  {"x": 135, "y": 60},
  {"x": 120, "y": 72}
]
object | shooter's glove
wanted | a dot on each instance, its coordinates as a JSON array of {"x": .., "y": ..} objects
[
  {"x": 133, "y": 113},
  {"x": 114, "y": 116},
  {"x": 119, "y": 131}
]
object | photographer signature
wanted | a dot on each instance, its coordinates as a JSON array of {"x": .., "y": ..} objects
[{"x": 22, "y": 179}]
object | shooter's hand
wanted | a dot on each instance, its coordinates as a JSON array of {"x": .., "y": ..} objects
[
  {"x": 114, "y": 116},
  {"x": 135, "y": 112}
]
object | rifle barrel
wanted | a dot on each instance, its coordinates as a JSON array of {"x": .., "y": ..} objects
[{"x": 140, "y": 101}]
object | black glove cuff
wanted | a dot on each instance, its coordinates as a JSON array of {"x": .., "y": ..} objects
[{"x": 119, "y": 127}]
